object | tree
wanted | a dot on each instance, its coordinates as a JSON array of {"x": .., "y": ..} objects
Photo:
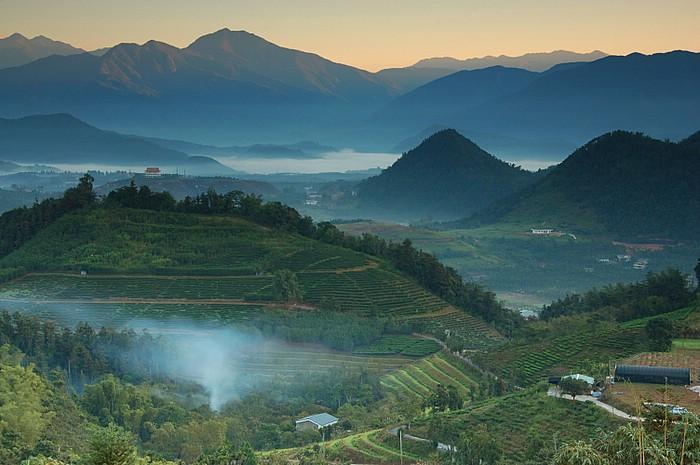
[
  {"x": 81, "y": 195},
  {"x": 478, "y": 447},
  {"x": 573, "y": 387},
  {"x": 578, "y": 453},
  {"x": 660, "y": 333},
  {"x": 286, "y": 286},
  {"x": 444, "y": 398},
  {"x": 22, "y": 392},
  {"x": 111, "y": 446},
  {"x": 229, "y": 455}
]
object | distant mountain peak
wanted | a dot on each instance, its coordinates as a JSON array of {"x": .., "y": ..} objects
[
  {"x": 535, "y": 61},
  {"x": 16, "y": 36},
  {"x": 17, "y": 50},
  {"x": 444, "y": 176}
]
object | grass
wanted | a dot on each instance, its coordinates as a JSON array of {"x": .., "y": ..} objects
[{"x": 686, "y": 344}]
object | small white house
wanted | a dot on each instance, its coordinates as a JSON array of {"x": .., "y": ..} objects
[
  {"x": 541, "y": 231},
  {"x": 318, "y": 421}
]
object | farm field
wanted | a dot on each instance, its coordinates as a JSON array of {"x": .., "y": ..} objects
[
  {"x": 376, "y": 447},
  {"x": 290, "y": 360},
  {"x": 404, "y": 345},
  {"x": 530, "y": 420},
  {"x": 420, "y": 379},
  {"x": 523, "y": 270},
  {"x": 626, "y": 396},
  {"x": 115, "y": 298},
  {"x": 533, "y": 362}
]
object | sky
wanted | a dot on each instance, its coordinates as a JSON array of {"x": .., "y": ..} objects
[{"x": 372, "y": 34}]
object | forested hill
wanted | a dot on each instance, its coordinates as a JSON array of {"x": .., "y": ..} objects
[
  {"x": 622, "y": 184},
  {"x": 692, "y": 142},
  {"x": 446, "y": 176},
  {"x": 136, "y": 231}
]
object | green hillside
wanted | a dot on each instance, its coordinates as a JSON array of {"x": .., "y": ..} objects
[
  {"x": 528, "y": 425},
  {"x": 622, "y": 184},
  {"x": 141, "y": 258},
  {"x": 446, "y": 176}
]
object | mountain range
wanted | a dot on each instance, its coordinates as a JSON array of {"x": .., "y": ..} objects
[
  {"x": 548, "y": 114},
  {"x": 17, "y": 50},
  {"x": 63, "y": 139},
  {"x": 446, "y": 176},
  {"x": 530, "y": 61},
  {"x": 623, "y": 184},
  {"x": 233, "y": 88}
]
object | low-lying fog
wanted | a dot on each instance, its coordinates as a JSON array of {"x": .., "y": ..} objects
[
  {"x": 227, "y": 361},
  {"x": 345, "y": 160}
]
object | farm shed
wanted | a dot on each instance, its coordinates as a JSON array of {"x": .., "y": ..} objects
[
  {"x": 318, "y": 421},
  {"x": 652, "y": 374}
]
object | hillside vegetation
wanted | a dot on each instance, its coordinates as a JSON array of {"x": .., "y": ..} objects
[
  {"x": 623, "y": 184},
  {"x": 239, "y": 244},
  {"x": 446, "y": 176}
]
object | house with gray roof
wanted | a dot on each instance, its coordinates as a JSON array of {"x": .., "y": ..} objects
[{"x": 318, "y": 421}]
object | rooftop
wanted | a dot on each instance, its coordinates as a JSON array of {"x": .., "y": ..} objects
[{"x": 320, "y": 419}]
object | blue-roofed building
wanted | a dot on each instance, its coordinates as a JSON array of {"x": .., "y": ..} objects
[{"x": 318, "y": 421}]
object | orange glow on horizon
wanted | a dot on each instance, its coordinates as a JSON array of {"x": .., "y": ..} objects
[{"x": 369, "y": 34}]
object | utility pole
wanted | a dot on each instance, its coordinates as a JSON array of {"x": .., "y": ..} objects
[{"x": 401, "y": 444}]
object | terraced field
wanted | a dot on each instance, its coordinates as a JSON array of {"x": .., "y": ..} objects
[
  {"x": 530, "y": 363},
  {"x": 369, "y": 291},
  {"x": 364, "y": 291},
  {"x": 275, "y": 360},
  {"x": 404, "y": 345},
  {"x": 421, "y": 378},
  {"x": 375, "y": 447},
  {"x": 155, "y": 259},
  {"x": 475, "y": 333},
  {"x": 526, "y": 423},
  {"x": 105, "y": 287}
]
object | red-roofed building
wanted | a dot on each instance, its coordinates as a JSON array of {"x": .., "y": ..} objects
[{"x": 152, "y": 172}]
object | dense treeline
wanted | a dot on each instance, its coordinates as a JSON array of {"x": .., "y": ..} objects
[
  {"x": 83, "y": 353},
  {"x": 19, "y": 225},
  {"x": 659, "y": 293},
  {"x": 423, "y": 267},
  {"x": 168, "y": 419}
]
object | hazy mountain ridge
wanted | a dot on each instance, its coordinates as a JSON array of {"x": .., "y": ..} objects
[
  {"x": 17, "y": 50},
  {"x": 538, "y": 61},
  {"x": 656, "y": 94},
  {"x": 445, "y": 176},
  {"x": 461, "y": 90},
  {"x": 222, "y": 88},
  {"x": 63, "y": 139}
]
